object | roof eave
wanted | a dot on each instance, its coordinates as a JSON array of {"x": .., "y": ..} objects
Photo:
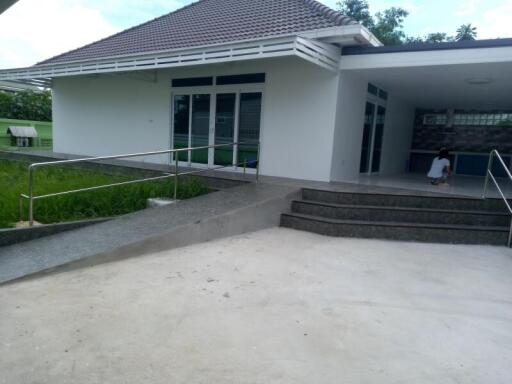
[
  {"x": 318, "y": 52},
  {"x": 346, "y": 35}
]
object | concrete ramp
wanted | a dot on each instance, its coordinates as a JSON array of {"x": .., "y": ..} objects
[{"x": 219, "y": 214}]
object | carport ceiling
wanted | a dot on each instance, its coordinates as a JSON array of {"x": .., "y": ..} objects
[{"x": 479, "y": 86}]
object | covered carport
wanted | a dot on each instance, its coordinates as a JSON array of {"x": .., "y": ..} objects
[{"x": 447, "y": 95}]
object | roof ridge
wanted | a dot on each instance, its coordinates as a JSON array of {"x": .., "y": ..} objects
[
  {"x": 335, "y": 16},
  {"x": 121, "y": 32}
]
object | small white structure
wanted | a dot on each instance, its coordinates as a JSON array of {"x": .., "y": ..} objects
[
  {"x": 22, "y": 136},
  {"x": 322, "y": 96}
]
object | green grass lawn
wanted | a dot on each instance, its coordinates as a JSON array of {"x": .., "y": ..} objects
[{"x": 82, "y": 205}]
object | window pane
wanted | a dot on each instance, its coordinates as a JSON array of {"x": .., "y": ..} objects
[
  {"x": 249, "y": 128},
  {"x": 192, "y": 82},
  {"x": 224, "y": 127},
  {"x": 372, "y": 89},
  {"x": 249, "y": 78},
  {"x": 181, "y": 123},
  {"x": 200, "y": 127}
]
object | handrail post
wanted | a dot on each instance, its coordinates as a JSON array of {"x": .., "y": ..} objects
[
  {"x": 510, "y": 235},
  {"x": 31, "y": 169},
  {"x": 30, "y": 197},
  {"x": 21, "y": 208},
  {"x": 176, "y": 159},
  {"x": 489, "y": 167},
  {"x": 258, "y": 163}
]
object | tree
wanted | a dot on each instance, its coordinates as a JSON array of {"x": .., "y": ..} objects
[
  {"x": 358, "y": 10},
  {"x": 5, "y": 104},
  {"x": 389, "y": 26},
  {"x": 386, "y": 26},
  {"x": 437, "y": 37},
  {"x": 26, "y": 105},
  {"x": 466, "y": 32}
]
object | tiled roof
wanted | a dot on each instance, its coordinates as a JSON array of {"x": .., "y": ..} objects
[{"x": 208, "y": 22}]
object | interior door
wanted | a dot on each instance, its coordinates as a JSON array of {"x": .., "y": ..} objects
[
  {"x": 369, "y": 119},
  {"x": 373, "y": 133}
]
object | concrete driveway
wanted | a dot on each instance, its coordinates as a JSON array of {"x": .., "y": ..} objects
[{"x": 275, "y": 306}]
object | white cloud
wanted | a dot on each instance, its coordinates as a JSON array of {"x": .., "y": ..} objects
[
  {"x": 468, "y": 8},
  {"x": 495, "y": 23},
  {"x": 128, "y": 13},
  {"x": 34, "y": 30}
]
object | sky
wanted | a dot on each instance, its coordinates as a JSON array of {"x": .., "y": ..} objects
[{"x": 34, "y": 30}]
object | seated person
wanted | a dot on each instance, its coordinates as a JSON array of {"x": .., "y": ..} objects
[{"x": 440, "y": 169}]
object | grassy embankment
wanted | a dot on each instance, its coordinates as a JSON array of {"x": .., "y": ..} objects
[{"x": 83, "y": 205}]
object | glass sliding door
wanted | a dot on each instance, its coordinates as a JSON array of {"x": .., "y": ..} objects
[
  {"x": 181, "y": 124},
  {"x": 224, "y": 127},
  {"x": 377, "y": 138},
  {"x": 249, "y": 128},
  {"x": 369, "y": 116},
  {"x": 373, "y": 133},
  {"x": 200, "y": 128},
  {"x": 200, "y": 120}
]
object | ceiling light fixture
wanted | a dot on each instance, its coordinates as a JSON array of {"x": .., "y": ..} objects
[{"x": 479, "y": 80}]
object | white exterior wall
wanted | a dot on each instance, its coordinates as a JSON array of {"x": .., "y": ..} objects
[
  {"x": 348, "y": 135},
  {"x": 112, "y": 114},
  {"x": 398, "y": 130},
  {"x": 299, "y": 119}
]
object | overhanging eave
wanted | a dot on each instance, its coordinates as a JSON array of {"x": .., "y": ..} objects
[{"x": 319, "y": 53}]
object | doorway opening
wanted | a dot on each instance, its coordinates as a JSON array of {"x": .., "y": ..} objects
[
  {"x": 202, "y": 119},
  {"x": 373, "y": 130}
]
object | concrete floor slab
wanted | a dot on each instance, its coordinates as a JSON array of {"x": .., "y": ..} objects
[
  {"x": 275, "y": 306},
  {"x": 471, "y": 186}
]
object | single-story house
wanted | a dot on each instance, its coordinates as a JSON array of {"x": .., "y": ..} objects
[{"x": 321, "y": 95}]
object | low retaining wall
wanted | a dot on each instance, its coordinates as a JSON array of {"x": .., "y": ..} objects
[{"x": 17, "y": 235}]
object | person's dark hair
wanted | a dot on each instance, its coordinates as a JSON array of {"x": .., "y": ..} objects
[{"x": 443, "y": 154}]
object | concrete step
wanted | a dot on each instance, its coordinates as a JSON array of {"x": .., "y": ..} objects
[
  {"x": 404, "y": 200},
  {"x": 400, "y": 214},
  {"x": 435, "y": 233}
]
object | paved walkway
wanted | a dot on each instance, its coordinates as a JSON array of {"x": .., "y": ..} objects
[
  {"x": 275, "y": 306},
  {"x": 219, "y": 214}
]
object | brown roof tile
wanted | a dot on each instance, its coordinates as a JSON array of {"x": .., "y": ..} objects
[{"x": 208, "y": 22}]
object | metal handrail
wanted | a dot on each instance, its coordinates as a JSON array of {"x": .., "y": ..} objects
[
  {"x": 489, "y": 175},
  {"x": 30, "y": 196}
]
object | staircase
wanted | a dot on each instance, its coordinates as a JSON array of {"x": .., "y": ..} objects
[{"x": 437, "y": 219}]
